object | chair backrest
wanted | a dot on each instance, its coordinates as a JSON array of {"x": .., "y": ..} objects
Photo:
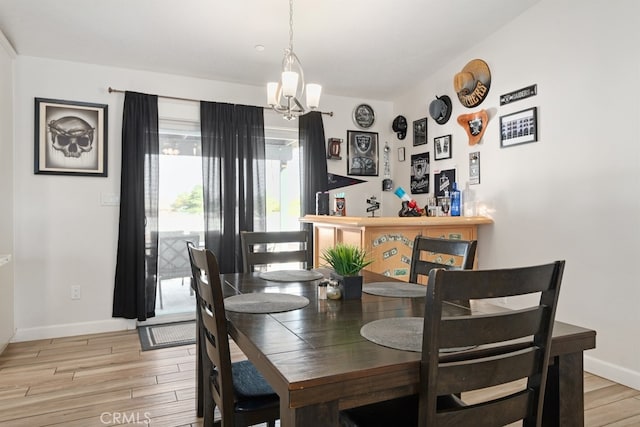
[
  {"x": 492, "y": 356},
  {"x": 275, "y": 247},
  {"x": 429, "y": 253},
  {"x": 210, "y": 301},
  {"x": 173, "y": 259}
]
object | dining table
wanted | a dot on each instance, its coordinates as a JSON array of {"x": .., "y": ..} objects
[{"x": 318, "y": 363}]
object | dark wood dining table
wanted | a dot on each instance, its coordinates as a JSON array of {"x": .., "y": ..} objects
[{"x": 318, "y": 363}]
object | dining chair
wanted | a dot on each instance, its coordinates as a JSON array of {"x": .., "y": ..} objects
[
  {"x": 173, "y": 260},
  {"x": 238, "y": 389},
  {"x": 472, "y": 352},
  {"x": 430, "y": 252},
  {"x": 263, "y": 248}
]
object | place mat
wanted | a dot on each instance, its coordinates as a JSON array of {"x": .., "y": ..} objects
[
  {"x": 167, "y": 335},
  {"x": 401, "y": 333},
  {"x": 259, "y": 302},
  {"x": 291, "y": 275},
  {"x": 395, "y": 289}
]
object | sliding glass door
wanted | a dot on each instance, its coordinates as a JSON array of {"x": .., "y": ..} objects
[{"x": 180, "y": 216}]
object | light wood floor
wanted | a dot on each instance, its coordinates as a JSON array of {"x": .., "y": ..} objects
[{"x": 105, "y": 379}]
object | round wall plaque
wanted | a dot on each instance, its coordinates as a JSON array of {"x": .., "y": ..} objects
[{"x": 363, "y": 116}]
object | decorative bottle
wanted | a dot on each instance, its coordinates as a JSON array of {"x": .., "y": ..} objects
[{"x": 456, "y": 201}]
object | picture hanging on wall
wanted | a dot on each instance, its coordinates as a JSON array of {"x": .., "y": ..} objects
[
  {"x": 442, "y": 147},
  {"x": 420, "y": 132},
  {"x": 401, "y": 154},
  {"x": 474, "y": 168},
  {"x": 70, "y": 138},
  {"x": 443, "y": 181},
  {"x": 519, "y": 128},
  {"x": 420, "y": 173},
  {"x": 362, "y": 153}
]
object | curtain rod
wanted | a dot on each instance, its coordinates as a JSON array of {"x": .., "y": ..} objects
[{"x": 111, "y": 90}]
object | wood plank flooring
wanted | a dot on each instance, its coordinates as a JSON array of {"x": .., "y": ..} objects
[{"x": 105, "y": 379}]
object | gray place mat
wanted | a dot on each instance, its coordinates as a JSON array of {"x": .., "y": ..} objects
[
  {"x": 259, "y": 302},
  {"x": 395, "y": 289},
  {"x": 401, "y": 333},
  {"x": 291, "y": 275}
]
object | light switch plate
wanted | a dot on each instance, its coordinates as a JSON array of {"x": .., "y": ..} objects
[{"x": 109, "y": 199}]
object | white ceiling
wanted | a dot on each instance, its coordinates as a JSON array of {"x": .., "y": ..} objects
[{"x": 360, "y": 48}]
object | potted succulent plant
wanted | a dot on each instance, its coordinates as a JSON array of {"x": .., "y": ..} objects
[{"x": 347, "y": 262}]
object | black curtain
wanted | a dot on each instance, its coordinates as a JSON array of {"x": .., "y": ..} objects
[
  {"x": 136, "y": 267},
  {"x": 233, "y": 169},
  {"x": 313, "y": 164}
]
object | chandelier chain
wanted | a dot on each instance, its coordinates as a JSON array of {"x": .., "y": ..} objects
[{"x": 291, "y": 25}]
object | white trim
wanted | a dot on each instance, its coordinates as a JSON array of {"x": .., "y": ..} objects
[
  {"x": 4, "y": 42},
  {"x": 612, "y": 372},
  {"x": 72, "y": 329}
]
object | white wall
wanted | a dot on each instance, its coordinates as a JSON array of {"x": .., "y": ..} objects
[
  {"x": 574, "y": 194},
  {"x": 63, "y": 235},
  {"x": 7, "y": 55}
]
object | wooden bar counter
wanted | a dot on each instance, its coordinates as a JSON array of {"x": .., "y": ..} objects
[{"x": 389, "y": 240}]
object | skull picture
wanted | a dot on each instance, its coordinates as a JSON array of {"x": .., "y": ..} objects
[{"x": 71, "y": 135}]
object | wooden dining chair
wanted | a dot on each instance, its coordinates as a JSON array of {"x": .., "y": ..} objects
[
  {"x": 451, "y": 254},
  {"x": 472, "y": 352},
  {"x": 430, "y": 252},
  {"x": 263, "y": 248},
  {"x": 238, "y": 389}
]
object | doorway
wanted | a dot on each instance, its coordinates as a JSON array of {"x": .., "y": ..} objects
[{"x": 180, "y": 216}]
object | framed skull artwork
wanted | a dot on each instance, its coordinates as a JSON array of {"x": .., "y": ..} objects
[{"x": 70, "y": 138}]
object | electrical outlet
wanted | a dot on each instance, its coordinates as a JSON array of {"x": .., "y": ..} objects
[{"x": 75, "y": 292}]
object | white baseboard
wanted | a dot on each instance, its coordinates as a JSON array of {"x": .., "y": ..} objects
[
  {"x": 612, "y": 372},
  {"x": 72, "y": 329}
]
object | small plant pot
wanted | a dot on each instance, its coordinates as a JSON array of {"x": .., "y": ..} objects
[{"x": 351, "y": 286}]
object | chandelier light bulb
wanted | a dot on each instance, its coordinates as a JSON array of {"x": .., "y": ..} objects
[
  {"x": 289, "y": 83},
  {"x": 272, "y": 94},
  {"x": 313, "y": 95}
]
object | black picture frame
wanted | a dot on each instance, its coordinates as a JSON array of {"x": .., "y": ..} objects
[
  {"x": 442, "y": 147},
  {"x": 362, "y": 153},
  {"x": 420, "y": 173},
  {"x": 443, "y": 181},
  {"x": 518, "y": 128},
  {"x": 420, "y": 131},
  {"x": 70, "y": 138}
]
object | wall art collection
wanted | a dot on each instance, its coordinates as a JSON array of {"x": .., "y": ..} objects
[{"x": 471, "y": 85}]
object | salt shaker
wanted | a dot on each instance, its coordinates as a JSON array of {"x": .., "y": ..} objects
[{"x": 322, "y": 289}]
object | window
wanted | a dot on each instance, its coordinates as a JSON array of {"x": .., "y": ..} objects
[{"x": 282, "y": 179}]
